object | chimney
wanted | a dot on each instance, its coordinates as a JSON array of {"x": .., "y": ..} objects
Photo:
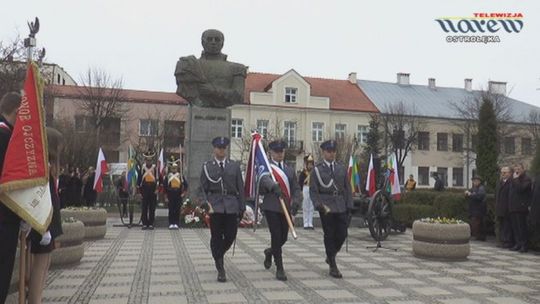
[
  {"x": 497, "y": 87},
  {"x": 468, "y": 84},
  {"x": 352, "y": 77},
  {"x": 431, "y": 83},
  {"x": 403, "y": 78}
]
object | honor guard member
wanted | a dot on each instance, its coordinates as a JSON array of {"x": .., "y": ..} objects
[
  {"x": 222, "y": 190},
  {"x": 148, "y": 182},
  {"x": 332, "y": 197},
  {"x": 275, "y": 217},
  {"x": 175, "y": 187},
  {"x": 307, "y": 204}
]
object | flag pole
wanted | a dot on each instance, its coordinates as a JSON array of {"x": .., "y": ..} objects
[{"x": 29, "y": 43}]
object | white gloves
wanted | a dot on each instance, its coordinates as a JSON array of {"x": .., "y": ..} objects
[{"x": 46, "y": 239}]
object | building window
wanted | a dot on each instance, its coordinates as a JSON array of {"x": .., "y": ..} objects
[
  {"x": 110, "y": 131},
  {"x": 174, "y": 133},
  {"x": 423, "y": 141},
  {"x": 262, "y": 127},
  {"x": 457, "y": 142},
  {"x": 148, "y": 127},
  {"x": 317, "y": 131},
  {"x": 237, "y": 128},
  {"x": 423, "y": 176},
  {"x": 509, "y": 145},
  {"x": 442, "y": 141},
  {"x": 362, "y": 134},
  {"x": 112, "y": 156},
  {"x": 526, "y": 146},
  {"x": 474, "y": 142},
  {"x": 58, "y": 76},
  {"x": 443, "y": 175},
  {"x": 290, "y": 94},
  {"x": 289, "y": 132},
  {"x": 457, "y": 177},
  {"x": 83, "y": 123},
  {"x": 340, "y": 131},
  {"x": 398, "y": 138}
]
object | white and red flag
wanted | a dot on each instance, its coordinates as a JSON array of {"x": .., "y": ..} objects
[
  {"x": 371, "y": 188},
  {"x": 101, "y": 169}
]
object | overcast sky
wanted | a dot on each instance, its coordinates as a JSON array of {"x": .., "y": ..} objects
[{"x": 141, "y": 41}]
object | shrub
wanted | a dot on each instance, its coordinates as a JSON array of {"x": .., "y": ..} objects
[{"x": 407, "y": 213}]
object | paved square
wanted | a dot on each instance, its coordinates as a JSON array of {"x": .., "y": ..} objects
[{"x": 131, "y": 266}]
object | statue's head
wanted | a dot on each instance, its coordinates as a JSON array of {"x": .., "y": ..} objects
[{"x": 212, "y": 41}]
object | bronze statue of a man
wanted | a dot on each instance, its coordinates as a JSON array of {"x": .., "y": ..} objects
[{"x": 210, "y": 81}]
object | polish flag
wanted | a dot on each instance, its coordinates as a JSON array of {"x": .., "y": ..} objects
[
  {"x": 101, "y": 169},
  {"x": 370, "y": 181},
  {"x": 161, "y": 164}
]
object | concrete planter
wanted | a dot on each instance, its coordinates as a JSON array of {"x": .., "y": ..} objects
[
  {"x": 441, "y": 241},
  {"x": 94, "y": 220},
  {"x": 70, "y": 244}
]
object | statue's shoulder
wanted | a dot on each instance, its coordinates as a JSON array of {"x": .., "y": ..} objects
[{"x": 238, "y": 68}]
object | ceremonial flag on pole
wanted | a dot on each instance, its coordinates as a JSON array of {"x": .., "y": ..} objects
[
  {"x": 101, "y": 169},
  {"x": 161, "y": 164},
  {"x": 258, "y": 164},
  {"x": 132, "y": 174},
  {"x": 353, "y": 175},
  {"x": 161, "y": 170},
  {"x": 25, "y": 175},
  {"x": 393, "y": 179},
  {"x": 370, "y": 180}
]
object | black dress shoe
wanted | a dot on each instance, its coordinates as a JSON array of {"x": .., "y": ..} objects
[
  {"x": 507, "y": 245},
  {"x": 267, "y": 258},
  {"x": 280, "y": 275},
  {"x": 515, "y": 248},
  {"x": 334, "y": 272},
  {"x": 522, "y": 249}
]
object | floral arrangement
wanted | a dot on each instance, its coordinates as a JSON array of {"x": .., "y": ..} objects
[
  {"x": 193, "y": 216},
  {"x": 83, "y": 208},
  {"x": 441, "y": 220},
  {"x": 69, "y": 220}
]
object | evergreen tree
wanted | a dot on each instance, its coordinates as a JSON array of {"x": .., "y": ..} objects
[
  {"x": 371, "y": 147},
  {"x": 487, "y": 151}
]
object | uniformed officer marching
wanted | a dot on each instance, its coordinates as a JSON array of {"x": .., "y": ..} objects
[
  {"x": 275, "y": 217},
  {"x": 222, "y": 188},
  {"x": 148, "y": 183},
  {"x": 175, "y": 187},
  {"x": 332, "y": 197}
]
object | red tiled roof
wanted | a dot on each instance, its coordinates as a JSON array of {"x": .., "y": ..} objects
[
  {"x": 343, "y": 94},
  {"x": 129, "y": 95}
]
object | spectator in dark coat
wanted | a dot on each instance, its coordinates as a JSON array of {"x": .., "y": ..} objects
[
  {"x": 63, "y": 182},
  {"x": 502, "y": 200},
  {"x": 534, "y": 216},
  {"x": 89, "y": 194},
  {"x": 74, "y": 188},
  {"x": 520, "y": 196},
  {"x": 439, "y": 184},
  {"x": 477, "y": 208}
]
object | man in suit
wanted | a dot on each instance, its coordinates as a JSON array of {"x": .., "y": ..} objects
[
  {"x": 275, "y": 217},
  {"x": 9, "y": 221},
  {"x": 222, "y": 192},
  {"x": 148, "y": 185},
  {"x": 502, "y": 196},
  {"x": 520, "y": 196},
  {"x": 332, "y": 196}
]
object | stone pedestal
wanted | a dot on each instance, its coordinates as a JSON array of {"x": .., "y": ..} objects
[{"x": 204, "y": 124}]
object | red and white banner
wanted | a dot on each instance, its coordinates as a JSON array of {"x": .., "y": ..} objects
[
  {"x": 101, "y": 169},
  {"x": 25, "y": 174},
  {"x": 371, "y": 188},
  {"x": 282, "y": 180}
]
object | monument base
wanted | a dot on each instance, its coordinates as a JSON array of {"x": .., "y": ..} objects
[{"x": 204, "y": 124}]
